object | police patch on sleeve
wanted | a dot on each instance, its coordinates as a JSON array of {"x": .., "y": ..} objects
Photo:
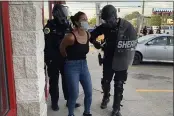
[{"x": 46, "y": 30}]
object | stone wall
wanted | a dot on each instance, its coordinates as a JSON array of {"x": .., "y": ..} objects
[{"x": 28, "y": 57}]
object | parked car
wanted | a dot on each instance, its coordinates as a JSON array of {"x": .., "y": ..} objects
[
  {"x": 155, "y": 28},
  {"x": 155, "y": 48},
  {"x": 168, "y": 29}
]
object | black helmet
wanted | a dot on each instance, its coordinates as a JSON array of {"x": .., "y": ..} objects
[
  {"x": 60, "y": 13},
  {"x": 108, "y": 11}
]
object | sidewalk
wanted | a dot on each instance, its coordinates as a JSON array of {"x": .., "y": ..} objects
[{"x": 132, "y": 105}]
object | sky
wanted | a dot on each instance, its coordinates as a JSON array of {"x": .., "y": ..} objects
[{"x": 125, "y": 7}]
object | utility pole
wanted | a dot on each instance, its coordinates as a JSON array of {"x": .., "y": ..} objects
[
  {"x": 140, "y": 19},
  {"x": 143, "y": 13},
  {"x": 143, "y": 8},
  {"x": 97, "y": 4},
  {"x": 173, "y": 13}
]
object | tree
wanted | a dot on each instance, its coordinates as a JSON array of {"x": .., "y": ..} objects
[
  {"x": 155, "y": 20},
  {"x": 171, "y": 16},
  {"x": 133, "y": 15},
  {"x": 148, "y": 21},
  {"x": 164, "y": 19},
  {"x": 92, "y": 21},
  {"x": 134, "y": 22}
]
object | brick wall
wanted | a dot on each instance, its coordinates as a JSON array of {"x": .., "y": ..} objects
[{"x": 28, "y": 57}]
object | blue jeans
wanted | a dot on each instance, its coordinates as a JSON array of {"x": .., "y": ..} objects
[{"x": 77, "y": 71}]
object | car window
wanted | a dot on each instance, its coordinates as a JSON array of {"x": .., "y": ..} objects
[
  {"x": 170, "y": 42},
  {"x": 144, "y": 38},
  {"x": 165, "y": 27},
  {"x": 159, "y": 41}
]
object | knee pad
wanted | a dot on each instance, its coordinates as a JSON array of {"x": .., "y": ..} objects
[
  {"x": 121, "y": 76},
  {"x": 105, "y": 85},
  {"x": 119, "y": 87},
  {"x": 125, "y": 77}
]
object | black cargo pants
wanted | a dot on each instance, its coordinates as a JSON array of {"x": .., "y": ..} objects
[
  {"x": 54, "y": 69},
  {"x": 119, "y": 79}
]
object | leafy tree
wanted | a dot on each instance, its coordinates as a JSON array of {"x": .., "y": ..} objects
[
  {"x": 148, "y": 22},
  {"x": 171, "y": 17},
  {"x": 134, "y": 22},
  {"x": 133, "y": 15},
  {"x": 164, "y": 19},
  {"x": 92, "y": 21},
  {"x": 155, "y": 20}
]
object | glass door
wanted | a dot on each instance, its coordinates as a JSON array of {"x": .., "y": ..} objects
[{"x": 7, "y": 90}]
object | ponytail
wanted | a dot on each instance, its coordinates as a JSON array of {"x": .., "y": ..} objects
[
  {"x": 76, "y": 18},
  {"x": 72, "y": 20}
]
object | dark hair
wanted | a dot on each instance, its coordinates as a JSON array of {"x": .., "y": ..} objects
[{"x": 76, "y": 18}]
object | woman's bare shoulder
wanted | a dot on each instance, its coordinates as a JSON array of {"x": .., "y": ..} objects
[{"x": 69, "y": 36}]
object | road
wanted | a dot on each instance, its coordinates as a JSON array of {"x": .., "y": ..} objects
[
  {"x": 153, "y": 82},
  {"x": 148, "y": 90}
]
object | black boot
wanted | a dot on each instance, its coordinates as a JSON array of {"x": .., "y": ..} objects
[
  {"x": 54, "y": 107},
  {"x": 116, "y": 107},
  {"x": 105, "y": 101},
  {"x": 118, "y": 96},
  {"x": 76, "y": 105},
  {"x": 116, "y": 113},
  {"x": 87, "y": 114}
]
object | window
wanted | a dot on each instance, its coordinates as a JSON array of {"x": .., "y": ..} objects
[
  {"x": 46, "y": 12},
  {"x": 170, "y": 40},
  {"x": 165, "y": 27},
  {"x": 144, "y": 38},
  {"x": 159, "y": 41}
]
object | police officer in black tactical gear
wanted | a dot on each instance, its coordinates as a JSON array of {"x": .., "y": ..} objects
[
  {"x": 119, "y": 49},
  {"x": 54, "y": 32}
]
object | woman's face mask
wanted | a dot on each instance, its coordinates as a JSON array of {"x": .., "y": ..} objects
[{"x": 84, "y": 25}]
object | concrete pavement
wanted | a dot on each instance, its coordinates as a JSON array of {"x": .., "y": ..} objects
[{"x": 146, "y": 76}]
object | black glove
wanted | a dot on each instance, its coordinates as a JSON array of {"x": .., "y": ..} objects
[{"x": 97, "y": 44}]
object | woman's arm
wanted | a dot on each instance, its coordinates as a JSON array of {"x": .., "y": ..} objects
[{"x": 67, "y": 41}]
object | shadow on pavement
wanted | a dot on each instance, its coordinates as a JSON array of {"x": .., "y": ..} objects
[{"x": 157, "y": 64}]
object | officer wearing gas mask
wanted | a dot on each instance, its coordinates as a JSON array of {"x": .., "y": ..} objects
[
  {"x": 54, "y": 32},
  {"x": 119, "y": 49}
]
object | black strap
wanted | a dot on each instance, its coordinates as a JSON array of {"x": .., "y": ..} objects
[
  {"x": 87, "y": 35},
  {"x": 74, "y": 37}
]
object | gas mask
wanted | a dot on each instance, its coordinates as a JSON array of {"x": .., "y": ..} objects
[
  {"x": 110, "y": 22},
  {"x": 109, "y": 15}
]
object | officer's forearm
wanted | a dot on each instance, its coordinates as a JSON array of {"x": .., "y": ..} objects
[{"x": 93, "y": 38}]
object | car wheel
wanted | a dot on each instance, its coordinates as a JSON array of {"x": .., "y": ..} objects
[{"x": 137, "y": 59}]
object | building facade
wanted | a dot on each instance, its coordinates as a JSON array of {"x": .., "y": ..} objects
[
  {"x": 163, "y": 11},
  {"x": 22, "y": 77}
]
